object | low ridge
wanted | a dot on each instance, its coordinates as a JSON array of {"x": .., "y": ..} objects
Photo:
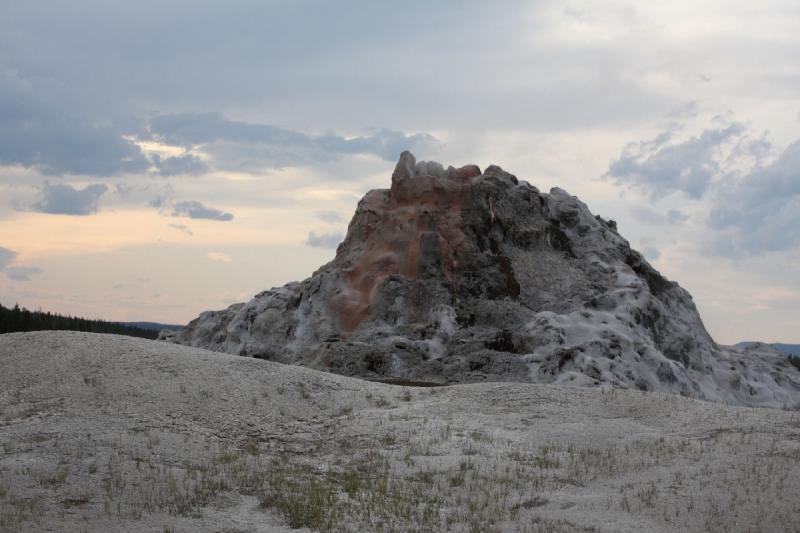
[{"x": 457, "y": 275}]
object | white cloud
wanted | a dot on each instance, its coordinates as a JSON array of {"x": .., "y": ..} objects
[
  {"x": 760, "y": 212},
  {"x": 660, "y": 167}
]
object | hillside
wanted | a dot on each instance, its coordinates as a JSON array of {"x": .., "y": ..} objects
[{"x": 108, "y": 433}]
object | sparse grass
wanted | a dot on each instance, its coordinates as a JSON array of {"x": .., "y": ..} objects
[
  {"x": 304, "y": 501},
  {"x": 152, "y": 439},
  {"x": 51, "y": 477},
  {"x": 16, "y": 511},
  {"x": 345, "y": 410},
  {"x": 77, "y": 500},
  {"x": 97, "y": 386},
  {"x": 250, "y": 447},
  {"x": 480, "y": 482},
  {"x": 303, "y": 391},
  {"x": 409, "y": 469},
  {"x": 381, "y": 401}
]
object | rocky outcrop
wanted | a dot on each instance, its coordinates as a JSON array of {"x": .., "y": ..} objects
[{"x": 458, "y": 275}]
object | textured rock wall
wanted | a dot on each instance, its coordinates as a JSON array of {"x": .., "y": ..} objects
[{"x": 458, "y": 275}]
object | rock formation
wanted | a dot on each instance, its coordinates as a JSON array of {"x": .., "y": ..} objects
[{"x": 458, "y": 275}]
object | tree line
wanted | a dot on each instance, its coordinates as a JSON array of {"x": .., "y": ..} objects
[{"x": 20, "y": 319}]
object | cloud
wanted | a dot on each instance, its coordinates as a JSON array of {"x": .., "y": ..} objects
[
  {"x": 289, "y": 62},
  {"x": 182, "y": 227},
  {"x": 62, "y": 199},
  {"x": 649, "y": 249},
  {"x": 686, "y": 110},
  {"x": 675, "y": 217},
  {"x": 248, "y": 146},
  {"x": 40, "y": 132},
  {"x": 195, "y": 209},
  {"x": 324, "y": 240},
  {"x": 651, "y": 217},
  {"x": 22, "y": 273},
  {"x": 6, "y": 257},
  {"x": 331, "y": 217},
  {"x": 17, "y": 272},
  {"x": 37, "y": 133},
  {"x": 219, "y": 256},
  {"x": 179, "y": 165},
  {"x": 753, "y": 204},
  {"x": 760, "y": 212},
  {"x": 659, "y": 167}
]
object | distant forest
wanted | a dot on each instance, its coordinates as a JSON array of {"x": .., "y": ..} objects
[
  {"x": 20, "y": 319},
  {"x": 795, "y": 360}
]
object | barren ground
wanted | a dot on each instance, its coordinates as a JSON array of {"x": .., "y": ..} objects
[{"x": 109, "y": 433}]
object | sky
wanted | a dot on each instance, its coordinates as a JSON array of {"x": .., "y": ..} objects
[{"x": 158, "y": 159}]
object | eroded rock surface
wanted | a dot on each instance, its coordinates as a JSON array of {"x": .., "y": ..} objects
[{"x": 458, "y": 275}]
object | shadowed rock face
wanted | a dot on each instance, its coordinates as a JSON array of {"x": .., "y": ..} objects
[{"x": 458, "y": 275}]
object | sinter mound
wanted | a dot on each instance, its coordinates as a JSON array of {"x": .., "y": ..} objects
[{"x": 458, "y": 275}]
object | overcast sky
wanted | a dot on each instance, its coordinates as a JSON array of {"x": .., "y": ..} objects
[{"x": 158, "y": 159}]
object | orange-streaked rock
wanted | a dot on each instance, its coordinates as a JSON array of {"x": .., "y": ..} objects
[{"x": 417, "y": 209}]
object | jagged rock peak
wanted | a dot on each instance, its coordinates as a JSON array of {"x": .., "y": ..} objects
[
  {"x": 458, "y": 275},
  {"x": 408, "y": 168}
]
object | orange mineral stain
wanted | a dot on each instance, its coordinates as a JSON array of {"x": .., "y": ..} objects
[{"x": 394, "y": 225}]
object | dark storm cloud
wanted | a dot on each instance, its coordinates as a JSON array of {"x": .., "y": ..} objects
[
  {"x": 195, "y": 209},
  {"x": 324, "y": 240},
  {"x": 62, "y": 199},
  {"x": 243, "y": 145}
]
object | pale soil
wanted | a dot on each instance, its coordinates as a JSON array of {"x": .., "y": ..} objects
[{"x": 108, "y": 433}]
